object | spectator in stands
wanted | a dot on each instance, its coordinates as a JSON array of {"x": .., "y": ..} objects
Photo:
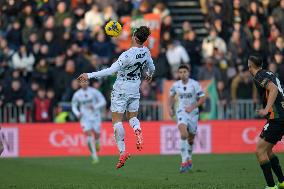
[
  {"x": 2, "y": 95},
  {"x": 32, "y": 90},
  {"x": 16, "y": 94},
  {"x": 167, "y": 26},
  {"x": 109, "y": 13},
  {"x": 124, "y": 8},
  {"x": 186, "y": 27},
  {"x": 28, "y": 29},
  {"x": 242, "y": 86},
  {"x": 61, "y": 13},
  {"x": 193, "y": 47},
  {"x": 223, "y": 94},
  {"x": 70, "y": 73},
  {"x": 27, "y": 11},
  {"x": 259, "y": 50},
  {"x": 278, "y": 14},
  {"x": 42, "y": 107},
  {"x": 14, "y": 35},
  {"x": 277, "y": 46},
  {"x": 23, "y": 60},
  {"x": 238, "y": 12},
  {"x": 94, "y": 18},
  {"x": 163, "y": 70},
  {"x": 253, "y": 24},
  {"x": 209, "y": 71},
  {"x": 221, "y": 28},
  {"x": 147, "y": 92},
  {"x": 216, "y": 13},
  {"x": 176, "y": 55},
  {"x": 255, "y": 8},
  {"x": 279, "y": 62},
  {"x": 67, "y": 96},
  {"x": 143, "y": 8},
  {"x": 102, "y": 47},
  {"x": 50, "y": 94},
  {"x": 161, "y": 9},
  {"x": 212, "y": 41},
  {"x": 57, "y": 76},
  {"x": 52, "y": 44},
  {"x": 42, "y": 73},
  {"x": 236, "y": 48}
]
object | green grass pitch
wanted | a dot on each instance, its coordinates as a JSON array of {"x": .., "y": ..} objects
[{"x": 141, "y": 172}]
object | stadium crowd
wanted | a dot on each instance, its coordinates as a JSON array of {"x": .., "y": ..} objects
[{"x": 46, "y": 44}]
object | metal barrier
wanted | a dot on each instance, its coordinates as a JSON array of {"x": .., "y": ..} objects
[
  {"x": 148, "y": 111},
  {"x": 240, "y": 109},
  {"x": 10, "y": 113}
]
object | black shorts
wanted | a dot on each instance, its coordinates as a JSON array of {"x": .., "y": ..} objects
[{"x": 273, "y": 131}]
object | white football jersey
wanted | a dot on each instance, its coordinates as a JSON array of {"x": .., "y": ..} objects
[
  {"x": 88, "y": 103},
  {"x": 132, "y": 63},
  {"x": 186, "y": 94}
]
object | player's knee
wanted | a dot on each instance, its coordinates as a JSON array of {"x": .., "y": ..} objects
[
  {"x": 88, "y": 133},
  {"x": 260, "y": 151},
  {"x": 190, "y": 141},
  {"x": 183, "y": 136}
]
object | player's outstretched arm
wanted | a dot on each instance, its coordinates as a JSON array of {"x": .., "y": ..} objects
[{"x": 105, "y": 72}]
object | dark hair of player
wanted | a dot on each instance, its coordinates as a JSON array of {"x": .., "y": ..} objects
[
  {"x": 184, "y": 66},
  {"x": 256, "y": 60},
  {"x": 142, "y": 33}
]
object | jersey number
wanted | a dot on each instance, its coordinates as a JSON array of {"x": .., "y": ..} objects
[{"x": 137, "y": 70}]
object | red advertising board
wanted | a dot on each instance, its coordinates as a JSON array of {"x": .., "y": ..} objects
[{"x": 37, "y": 140}]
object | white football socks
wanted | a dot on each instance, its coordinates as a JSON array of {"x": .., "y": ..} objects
[
  {"x": 135, "y": 123},
  {"x": 91, "y": 145},
  {"x": 190, "y": 149},
  {"x": 184, "y": 150},
  {"x": 119, "y": 137}
]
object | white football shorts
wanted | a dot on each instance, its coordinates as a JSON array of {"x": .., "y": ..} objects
[
  {"x": 93, "y": 125},
  {"x": 124, "y": 102},
  {"x": 189, "y": 119}
]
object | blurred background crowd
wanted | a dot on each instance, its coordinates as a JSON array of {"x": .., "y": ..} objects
[{"x": 46, "y": 44}]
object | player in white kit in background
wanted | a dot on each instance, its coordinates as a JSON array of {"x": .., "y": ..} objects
[
  {"x": 187, "y": 95},
  {"x": 86, "y": 105},
  {"x": 125, "y": 94}
]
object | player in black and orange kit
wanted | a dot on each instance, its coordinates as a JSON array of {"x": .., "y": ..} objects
[{"x": 270, "y": 90}]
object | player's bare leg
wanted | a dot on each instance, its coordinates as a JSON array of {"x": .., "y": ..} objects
[
  {"x": 183, "y": 147},
  {"x": 91, "y": 145},
  {"x": 135, "y": 124},
  {"x": 276, "y": 167},
  {"x": 97, "y": 140},
  {"x": 262, "y": 150},
  {"x": 119, "y": 138},
  {"x": 1, "y": 147}
]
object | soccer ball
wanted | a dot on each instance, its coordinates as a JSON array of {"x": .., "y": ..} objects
[{"x": 113, "y": 28}]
